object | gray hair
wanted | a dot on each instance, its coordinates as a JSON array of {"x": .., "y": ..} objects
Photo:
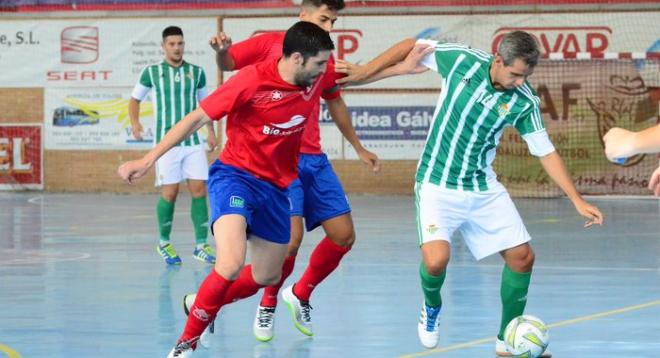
[{"x": 519, "y": 44}]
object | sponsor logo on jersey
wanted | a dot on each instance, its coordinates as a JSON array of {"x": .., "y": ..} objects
[
  {"x": 276, "y": 95},
  {"x": 236, "y": 202}
]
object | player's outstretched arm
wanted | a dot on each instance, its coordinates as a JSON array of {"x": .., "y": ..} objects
[
  {"x": 411, "y": 64},
  {"x": 134, "y": 169},
  {"x": 339, "y": 112},
  {"x": 360, "y": 73},
  {"x": 554, "y": 166},
  {"x": 654, "y": 182},
  {"x": 221, "y": 43},
  {"x": 621, "y": 143}
]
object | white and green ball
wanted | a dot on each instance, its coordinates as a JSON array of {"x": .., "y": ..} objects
[{"x": 526, "y": 336}]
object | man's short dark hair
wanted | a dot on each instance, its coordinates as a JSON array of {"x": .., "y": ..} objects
[
  {"x": 519, "y": 44},
  {"x": 306, "y": 38},
  {"x": 335, "y": 5},
  {"x": 172, "y": 31}
]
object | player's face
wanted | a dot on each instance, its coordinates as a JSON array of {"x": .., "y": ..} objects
[
  {"x": 310, "y": 70},
  {"x": 319, "y": 16},
  {"x": 510, "y": 77},
  {"x": 173, "y": 47}
]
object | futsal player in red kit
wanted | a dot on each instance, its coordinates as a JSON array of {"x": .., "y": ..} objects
[
  {"x": 267, "y": 107},
  {"x": 317, "y": 195}
]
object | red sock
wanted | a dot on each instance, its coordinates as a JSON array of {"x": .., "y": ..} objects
[
  {"x": 324, "y": 260},
  {"x": 269, "y": 298},
  {"x": 207, "y": 303},
  {"x": 243, "y": 287}
]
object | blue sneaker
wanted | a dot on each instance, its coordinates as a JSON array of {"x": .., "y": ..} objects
[
  {"x": 205, "y": 254},
  {"x": 168, "y": 254},
  {"x": 428, "y": 327}
]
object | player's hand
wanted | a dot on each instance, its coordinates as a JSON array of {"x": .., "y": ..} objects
[
  {"x": 353, "y": 71},
  {"x": 654, "y": 182},
  {"x": 220, "y": 42},
  {"x": 137, "y": 131},
  {"x": 369, "y": 159},
  {"x": 411, "y": 64},
  {"x": 593, "y": 215},
  {"x": 211, "y": 141},
  {"x": 133, "y": 170},
  {"x": 619, "y": 143}
]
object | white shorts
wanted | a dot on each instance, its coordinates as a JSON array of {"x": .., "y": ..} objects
[
  {"x": 180, "y": 163},
  {"x": 488, "y": 221}
]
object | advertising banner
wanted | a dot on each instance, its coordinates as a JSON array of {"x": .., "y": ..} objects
[
  {"x": 21, "y": 157},
  {"x": 358, "y": 39},
  {"x": 95, "y": 52}
]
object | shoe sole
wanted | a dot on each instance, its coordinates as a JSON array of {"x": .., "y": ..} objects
[
  {"x": 204, "y": 261},
  {"x": 262, "y": 339},
  {"x": 507, "y": 354},
  {"x": 292, "y": 310}
]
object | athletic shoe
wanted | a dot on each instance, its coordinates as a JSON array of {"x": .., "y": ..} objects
[
  {"x": 428, "y": 327},
  {"x": 182, "y": 349},
  {"x": 168, "y": 254},
  {"x": 300, "y": 311},
  {"x": 502, "y": 351},
  {"x": 264, "y": 323},
  {"x": 205, "y": 254},
  {"x": 204, "y": 339}
]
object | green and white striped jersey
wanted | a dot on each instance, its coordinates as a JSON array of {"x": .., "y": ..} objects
[
  {"x": 176, "y": 92},
  {"x": 469, "y": 119}
]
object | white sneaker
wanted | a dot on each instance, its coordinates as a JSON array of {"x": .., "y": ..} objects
[
  {"x": 428, "y": 327},
  {"x": 300, "y": 311},
  {"x": 264, "y": 323},
  {"x": 205, "y": 338},
  {"x": 502, "y": 351},
  {"x": 181, "y": 350}
]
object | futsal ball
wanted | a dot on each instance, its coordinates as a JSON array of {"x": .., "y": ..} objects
[{"x": 526, "y": 337}]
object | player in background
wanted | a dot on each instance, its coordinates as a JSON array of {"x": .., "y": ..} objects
[
  {"x": 317, "y": 195},
  {"x": 268, "y": 106},
  {"x": 456, "y": 187},
  {"x": 176, "y": 87}
]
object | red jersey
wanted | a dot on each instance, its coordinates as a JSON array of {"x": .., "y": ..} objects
[
  {"x": 269, "y": 46},
  {"x": 266, "y": 117}
]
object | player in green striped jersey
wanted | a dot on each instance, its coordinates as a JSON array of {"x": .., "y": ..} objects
[
  {"x": 176, "y": 87},
  {"x": 456, "y": 188}
]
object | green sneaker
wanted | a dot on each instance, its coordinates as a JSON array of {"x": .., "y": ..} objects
[
  {"x": 168, "y": 254},
  {"x": 205, "y": 254}
]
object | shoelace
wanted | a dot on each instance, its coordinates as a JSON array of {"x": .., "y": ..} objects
[
  {"x": 431, "y": 317},
  {"x": 184, "y": 346},
  {"x": 266, "y": 317},
  {"x": 169, "y": 250},
  {"x": 305, "y": 309}
]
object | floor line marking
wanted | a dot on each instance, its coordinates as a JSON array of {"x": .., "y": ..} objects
[
  {"x": 9, "y": 352},
  {"x": 556, "y": 324}
]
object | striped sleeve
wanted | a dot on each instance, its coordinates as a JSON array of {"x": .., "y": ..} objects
[
  {"x": 530, "y": 125},
  {"x": 447, "y": 54},
  {"x": 531, "y": 120},
  {"x": 145, "y": 77}
]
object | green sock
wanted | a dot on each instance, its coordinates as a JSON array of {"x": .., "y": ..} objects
[
  {"x": 514, "y": 296},
  {"x": 199, "y": 213},
  {"x": 165, "y": 213},
  {"x": 431, "y": 286}
]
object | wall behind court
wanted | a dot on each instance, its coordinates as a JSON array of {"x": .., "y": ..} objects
[{"x": 85, "y": 69}]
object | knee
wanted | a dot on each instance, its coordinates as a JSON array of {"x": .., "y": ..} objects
[
  {"x": 169, "y": 196},
  {"x": 292, "y": 250},
  {"x": 524, "y": 262},
  {"x": 436, "y": 267},
  {"x": 228, "y": 269},
  {"x": 346, "y": 239}
]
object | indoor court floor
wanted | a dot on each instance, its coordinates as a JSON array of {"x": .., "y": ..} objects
[{"x": 80, "y": 277}]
